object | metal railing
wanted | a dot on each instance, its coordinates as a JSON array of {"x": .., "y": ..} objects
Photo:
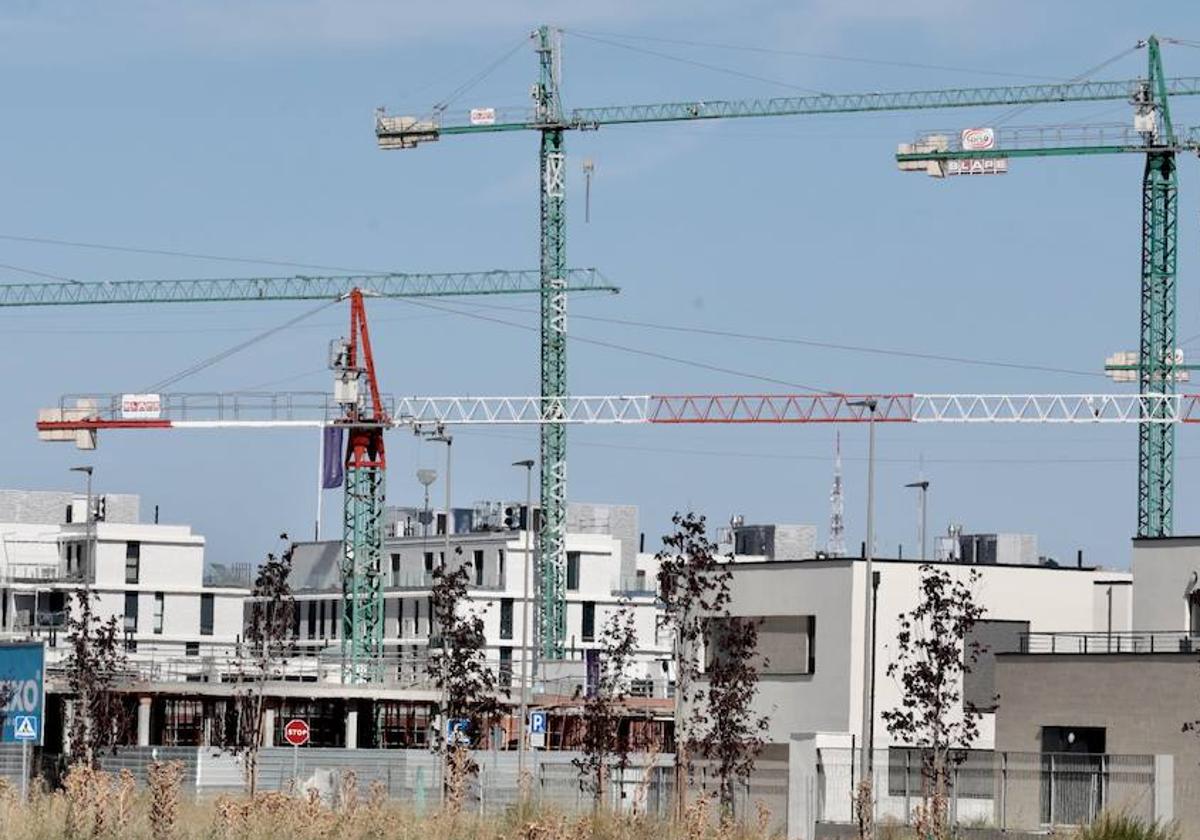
[
  {"x": 1019, "y": 791},
  {"x": 1140, "y": 641}
]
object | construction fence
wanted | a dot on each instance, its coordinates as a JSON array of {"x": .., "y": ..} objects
[
  {"x": 413, "y": 776},
  {"x": 1003, "y": 790}
]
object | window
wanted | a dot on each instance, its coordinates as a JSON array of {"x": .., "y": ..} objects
[
  {"x": 441, "y": 524},
  {"x": 70, "y": 513},
  {"x": 191, "y": 649},
  {"x": 639, "y": 579},
  {"x": 572, "y": 571},
  {"x": 506, "y": 668},
  {"x": 478, "y": 559},
  {"x": 395, "y": 570},
  {"x": 312, "y": 619},
  {"x": 500, "y": 568},
  {"x": 158, "y": 613},
  {"x": 321, "y": 618},
  {"x": 131, "y": 612},
  {"x": 588, "y": 628},
  {"x": 506, "y": 618},
  {"x": 206, "y": 615},
  {"x": 428, "y": 562},
  {"x": 786, "y": 643},
  {"x": 133, "y": 561}
]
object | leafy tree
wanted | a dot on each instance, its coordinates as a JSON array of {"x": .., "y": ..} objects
[
  {"x": 694, "y": 589},
  {"x": 734, "y": 735},
  {"x": 95, "y": 664},
  {"x": 604, "y": 747},
  {"x": 261, "y": 656},
  {"x": 460, "y": 667},
  {"x": 933, "y": 655}
]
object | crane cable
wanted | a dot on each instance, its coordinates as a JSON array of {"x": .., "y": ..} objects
[{"x": 237, "y": 348}]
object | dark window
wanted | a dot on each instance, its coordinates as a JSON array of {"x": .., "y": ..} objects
[
  {"x": 572, "y": 571},
  {"x": 506, "y": 618},
  {"x": 478, "y": 558},
  {"x": 588, "y": 629},
  {"x": 786, "y": 643},
  {"x": 441, "y": 523},
  {"x": 70, "y": 513},
  {"x": 500, "y": 568},
  {"x": 395, "y": 570},
  {"x": 335, "y": 618},
  {"x": 639, "y": 578},
  {"x": 506, "y": 668},
  {"x": 131, "y": 612},
  {"x": 429, "y": 562},
  {"x": 1073, "y": 782},
  {"x": 206, "y": 615},
  {"x": 158, "y": 613},
  {"x": 191, "y": 649},
  {"x": 312, "y": 619},
  {"x": 133, "y": 561},
  {"x": 321, "y": 618}
]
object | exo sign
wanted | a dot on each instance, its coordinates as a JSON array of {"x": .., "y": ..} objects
[
  {"x": 296, "y": 732},
  {"x": 22, "y": 681},
  {"x": 978, "y": 139},
  {"x": 141, "y": 406}
]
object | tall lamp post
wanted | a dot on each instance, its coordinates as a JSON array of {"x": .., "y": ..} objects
[
  {"x": 868, "y": 723},
  {"x": 440, "y": 436},
  {"x": 526, "y": 574},
  {"x": 923, "y": 486}
]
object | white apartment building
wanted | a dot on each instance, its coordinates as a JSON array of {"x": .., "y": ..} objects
[
  {"x": 603, "y": 571},
  {"x": 813, "y": 628},
  {"x": 150, "y": 576}
]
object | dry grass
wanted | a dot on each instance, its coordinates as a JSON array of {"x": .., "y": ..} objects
[{"x": 97, "y": 806}]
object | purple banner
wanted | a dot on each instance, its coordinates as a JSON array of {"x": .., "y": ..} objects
[{"x": 331, "y": 458}]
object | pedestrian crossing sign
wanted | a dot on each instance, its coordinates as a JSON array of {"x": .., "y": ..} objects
[{"x": 25, "y": 727}]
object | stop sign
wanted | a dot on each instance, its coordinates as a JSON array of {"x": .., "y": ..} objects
[{"x": 295, "y": 732}]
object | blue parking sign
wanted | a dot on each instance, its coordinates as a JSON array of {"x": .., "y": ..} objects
[
  {"x": 537, "y": 723},
  {"x": 23, "y": 680}
]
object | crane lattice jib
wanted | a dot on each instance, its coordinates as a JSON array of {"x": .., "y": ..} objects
[
  {"x": 455, "y": 122},
  {"x": 299, "y": 287}
]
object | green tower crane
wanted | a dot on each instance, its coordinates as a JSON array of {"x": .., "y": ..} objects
[
  {"x": 363, "y": 415},
  {"x": 1158, "y": 366},
  {"x": 551, "y": 120}
]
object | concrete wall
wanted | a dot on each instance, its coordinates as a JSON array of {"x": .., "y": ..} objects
[
  {"x": 811, "y": 702},
  {"x": 1165, "y": 570},
  {"x": 1141, "y": 701}
]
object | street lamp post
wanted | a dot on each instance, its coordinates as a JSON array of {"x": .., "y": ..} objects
[
  {"x": 440, "y": 436},
  {"x": 868, "y": 723},
  {"x": 526, "y": 573},
  {"x": 923, "y": 486}
]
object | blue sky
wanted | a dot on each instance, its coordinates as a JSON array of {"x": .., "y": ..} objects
[{"x": 244, "y": 129}]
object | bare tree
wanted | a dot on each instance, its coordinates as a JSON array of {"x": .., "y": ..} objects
[
  {"x": 933, "y": 655},
  {"x": 605, "y": 748},
  {"x": 734, "y": 735},
  {"x": 261, "y": 656},
  {"x": 95, "y": 664},
  {"x": 694, "y": 589},
  {"x": 460, "y": 666}
]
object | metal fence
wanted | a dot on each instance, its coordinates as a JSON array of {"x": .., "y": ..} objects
[
  {"x": 1003, "y": 790},
  {"x": 646, "y": 787}
]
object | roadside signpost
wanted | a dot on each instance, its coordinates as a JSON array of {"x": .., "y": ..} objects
[
  {"x": 296, "y": 733},
  {"x": 537, "y": 730},
  {"x": 23, "y": 687}
]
